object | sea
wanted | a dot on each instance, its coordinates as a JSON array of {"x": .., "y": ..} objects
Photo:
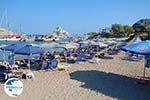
[{"x": 47, "y": 46}]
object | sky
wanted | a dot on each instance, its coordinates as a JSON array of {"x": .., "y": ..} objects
[{"x": 74, "y": 16}]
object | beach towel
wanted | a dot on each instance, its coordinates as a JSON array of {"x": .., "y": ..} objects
[{"x": 53, "y": 64}]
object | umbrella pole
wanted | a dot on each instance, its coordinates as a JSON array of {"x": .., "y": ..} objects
[
  {"x": 66, "y": 59},
  {"x": 14, "y": 59},
  {"x": 29, "y": 61},
  {"x": 3, "y": 56},
  {"x": 144, "y": 72},
  {"x": 13, "y": 55}
]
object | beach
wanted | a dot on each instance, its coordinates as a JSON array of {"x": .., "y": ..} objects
[
  {"x": 111, "y": 79},
  {"x": 74, "y": 50}
]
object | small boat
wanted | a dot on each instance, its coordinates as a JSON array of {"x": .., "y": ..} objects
[
  {"x": 50, "y": 39},
  {"x": 38, "y": 39},
  {"x": 10, "y": 39}
]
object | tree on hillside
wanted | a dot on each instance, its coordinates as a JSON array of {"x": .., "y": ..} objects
[
  {"x": 117, "y": 28},
  {"x": 128, "y": 29},
  {"x": 92, "y": 33}
]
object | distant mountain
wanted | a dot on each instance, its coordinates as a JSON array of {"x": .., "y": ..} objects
[{"x": 4, "y": 32}]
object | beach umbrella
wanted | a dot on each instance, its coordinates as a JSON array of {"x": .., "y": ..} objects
[
  {"x": 142, "y": 48},
  {"x": 12, "y": 48},
  {"x": 69, "y": 46},
  {"x": 62, "y": 42},
  {"x": 49, "y": 45},
  {"x": 29, "y": 50},
  {"x": 110, "y": 42},
  {"x": 33, "y": 44},
  {"x": 84, "y": 43},
  {"x": 102, "y": 45}
]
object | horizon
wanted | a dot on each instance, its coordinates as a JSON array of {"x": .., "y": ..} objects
[{"x": 76, "y": 17}]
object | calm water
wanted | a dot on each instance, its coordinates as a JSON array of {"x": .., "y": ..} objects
[{"x": 48, "y": 46}]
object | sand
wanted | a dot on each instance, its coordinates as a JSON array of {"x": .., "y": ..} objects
[{"x": 111, "y": 79}]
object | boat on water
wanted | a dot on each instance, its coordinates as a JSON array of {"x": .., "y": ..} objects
[
  {"x": 37, "y": 38},
  {"x": 11, "y": 39}
]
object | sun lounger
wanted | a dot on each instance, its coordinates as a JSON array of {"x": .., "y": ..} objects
[
  {"x": 133, "y": 58},
  {"x": 105, "y": 56},
  {"x": 71, "y": 61},
  {"x": 79, "y": 58},
  {"x": 113, "y": 52}
]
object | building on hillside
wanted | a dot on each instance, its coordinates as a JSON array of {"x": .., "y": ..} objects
[{"x": 57, "y": 34}]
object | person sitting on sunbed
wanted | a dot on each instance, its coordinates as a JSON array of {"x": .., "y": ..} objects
[
  {"x": 71, "y": 58},
  {"x": 15, "y": 72},
  {"x": 6, "y": 64},
  {"x": 27, "y": 74},
  {"x": 23, "y": 63},
  {"x": 42, "y": 56},
  {"x": 14, "y": 66}
]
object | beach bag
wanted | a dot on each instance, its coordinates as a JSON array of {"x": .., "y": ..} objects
[{"x": 60, "y": 67}]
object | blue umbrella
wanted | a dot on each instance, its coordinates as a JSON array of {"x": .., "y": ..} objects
[
  {"x": 12, "y": 48},
  {"x": 29, "y": 50},
  {"x": 142, "y": 48}
]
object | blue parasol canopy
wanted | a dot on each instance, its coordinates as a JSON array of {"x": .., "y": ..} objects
[
  {"x": 11, "y": 47},
  {"x": 29, "y": 50},
  {"x": 142, "y": 48}
]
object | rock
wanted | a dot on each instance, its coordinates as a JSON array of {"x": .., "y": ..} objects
[{"x": 142, "y": 25}]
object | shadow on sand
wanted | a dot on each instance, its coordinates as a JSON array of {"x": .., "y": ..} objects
[{"x": 113, "y": 85}]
